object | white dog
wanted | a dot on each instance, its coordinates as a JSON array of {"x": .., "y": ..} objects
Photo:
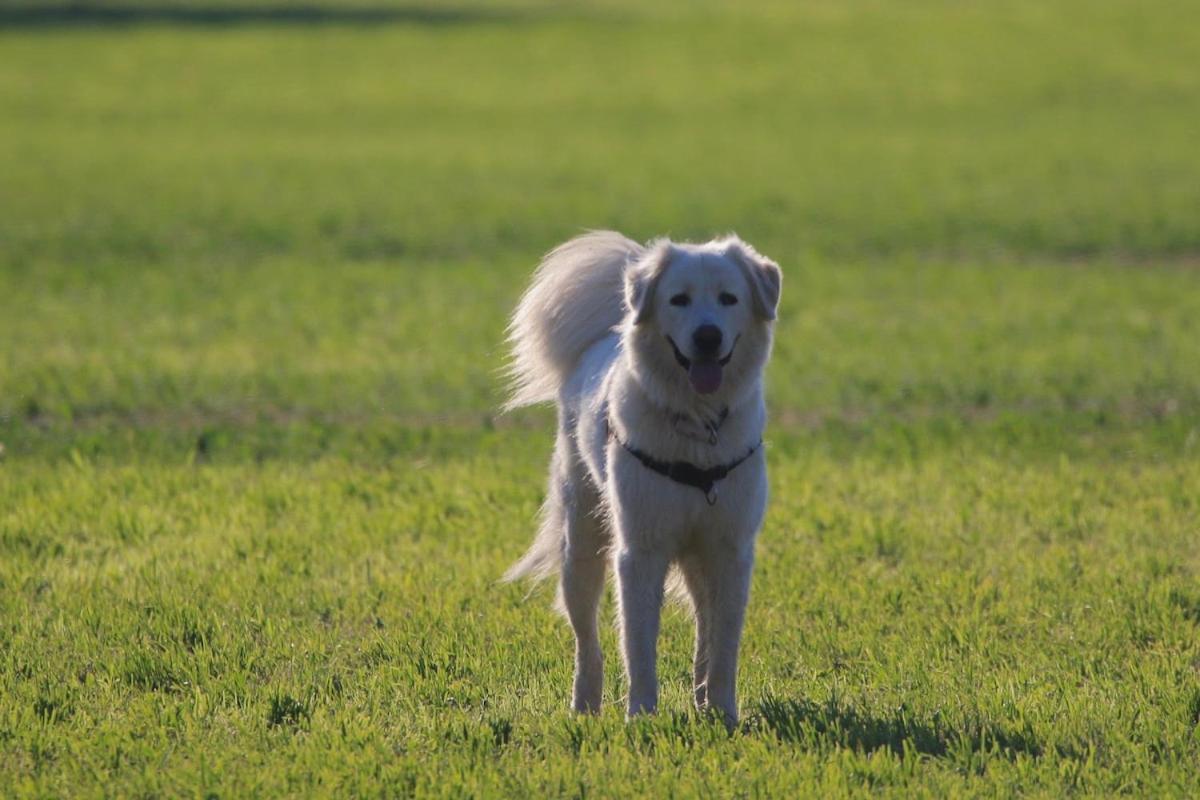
[{"x": 655, "y": 356}]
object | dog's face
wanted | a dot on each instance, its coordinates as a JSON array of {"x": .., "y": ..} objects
[{"x": 704, "y": 309}]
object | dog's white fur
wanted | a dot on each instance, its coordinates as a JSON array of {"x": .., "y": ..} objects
[{"x": 591, "y": 334}]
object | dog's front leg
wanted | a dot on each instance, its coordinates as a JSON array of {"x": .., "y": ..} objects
[
  {"x": 640, "y": 577},
  {"x": 729, "y": 572}
]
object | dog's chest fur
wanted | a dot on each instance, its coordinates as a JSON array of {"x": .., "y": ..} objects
[{"x": 611, "y": 409}]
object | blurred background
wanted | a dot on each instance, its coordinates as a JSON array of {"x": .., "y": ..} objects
[{"x": 227, "y": 208}]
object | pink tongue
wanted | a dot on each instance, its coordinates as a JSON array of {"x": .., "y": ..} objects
[{"x": 705, "y": 376}]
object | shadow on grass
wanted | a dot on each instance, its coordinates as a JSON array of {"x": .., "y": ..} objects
[
  {"x": 833, "y": 723},
  {"x": 86, "y": 15}
]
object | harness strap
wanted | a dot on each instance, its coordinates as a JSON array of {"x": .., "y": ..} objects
[{"x": 686, "y": 472}]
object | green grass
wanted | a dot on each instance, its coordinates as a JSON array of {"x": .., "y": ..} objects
[{"x": 254, "y": 496}]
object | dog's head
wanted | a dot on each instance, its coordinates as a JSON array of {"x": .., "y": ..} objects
[{"x": 703, "y": 313}]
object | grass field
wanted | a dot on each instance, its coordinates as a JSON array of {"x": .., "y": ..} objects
[{"x": 254, "y": 496}]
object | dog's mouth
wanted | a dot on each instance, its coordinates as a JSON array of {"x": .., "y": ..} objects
[{"x": 704, "y": 374}]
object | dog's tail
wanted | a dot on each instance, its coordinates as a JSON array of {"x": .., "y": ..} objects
[
  {"x": 575, "y": 300},
  {"x": 544, "y": 557}
]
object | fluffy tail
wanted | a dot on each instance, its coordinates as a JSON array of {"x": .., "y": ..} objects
[
  {"x": 575, "y": 299},
  {"x": 544, "y": 556}
]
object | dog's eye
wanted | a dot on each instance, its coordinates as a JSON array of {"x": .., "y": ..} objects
[
  {"x": 680, "y": 300},
  {"x": 727, "y": 299}
]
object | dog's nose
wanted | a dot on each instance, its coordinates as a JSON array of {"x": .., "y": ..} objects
[{"x": 707, "y": 339}]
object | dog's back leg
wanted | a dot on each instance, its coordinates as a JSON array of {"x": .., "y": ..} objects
[
  {"x": 692, "y": 567},
  {"x": 585, "y": 557},
  {"x": 574, "y": 505}
]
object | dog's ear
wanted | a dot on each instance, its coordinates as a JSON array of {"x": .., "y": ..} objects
[
  {"x": 641, "y": 279},
  {"x": 763, "y": 274}
]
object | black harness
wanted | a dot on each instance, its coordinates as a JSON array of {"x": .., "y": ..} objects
[{"x": 685, "y": 472}]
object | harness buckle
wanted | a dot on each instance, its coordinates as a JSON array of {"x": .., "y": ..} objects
[{"x": 711, "y": 495}]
